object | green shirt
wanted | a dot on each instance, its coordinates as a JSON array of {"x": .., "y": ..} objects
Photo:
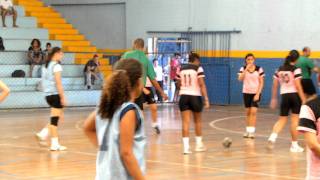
[
  {"x": 148, "y": 70},
  {"x": 306, "y": 65}
]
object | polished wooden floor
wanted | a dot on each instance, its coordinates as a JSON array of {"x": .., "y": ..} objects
[{"x": 22, "y": 158}]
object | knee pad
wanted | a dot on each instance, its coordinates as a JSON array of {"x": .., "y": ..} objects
[{"x": 54, "y": 120}]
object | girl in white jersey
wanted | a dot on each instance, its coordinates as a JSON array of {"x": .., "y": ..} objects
[
  {"x": 252, "y": 77},
  {"x": 192, "y": 91},
  {"x": 4, "y": 91},
  {"x": 52, "y": 86},
  {"x": 289, "y": 78},
  {"x": 117, "y": 126}
]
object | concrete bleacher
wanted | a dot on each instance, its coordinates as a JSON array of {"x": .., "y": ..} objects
[
  {"x": 23, "y": 90},
  {"x": 24, "y": 44}
]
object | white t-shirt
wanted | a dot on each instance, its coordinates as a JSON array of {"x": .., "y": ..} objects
[
  {"x": 159, "y": 73},
  {"x": 6, "y": 4},
  {"x": 57, "y": 68}
]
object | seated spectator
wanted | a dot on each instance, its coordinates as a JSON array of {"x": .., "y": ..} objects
[
  {"x": 6, "y": 7},
  {"x": 92, "y": 72},
  {"x": 35, "y": 54},
  {"x": 47, "y": 51}
]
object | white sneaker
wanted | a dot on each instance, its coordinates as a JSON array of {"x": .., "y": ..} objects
[
  {"x": 296, "y": 149},
  {"x": 249, "y": 135},
  {"x": 40, "y": 138},
  {"x": 270, "y": 145},
  {"x": 187, "y": 151},
  {"x": 58, "y": 148},
  {"x": 200, "y": 148}
]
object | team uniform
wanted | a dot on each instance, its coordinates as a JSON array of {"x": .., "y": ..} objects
[
  {"x": 309, "y": 122},
  {"x": 109, "y": 164},
  {"x": 190, "y": 92},
  {"x": 251, "y": 85},
  {"x": 49, "y": 84},
  {"x": 148, "y": 70},
  {"x": 290, "y": 100},
  {"x": 306, "y": 65}
]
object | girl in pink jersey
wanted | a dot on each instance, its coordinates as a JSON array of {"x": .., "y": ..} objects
[
  {"x": 252, "y": 77},
  {"x": 192, "y": 91},
  {"x": 289, "y": 78}
]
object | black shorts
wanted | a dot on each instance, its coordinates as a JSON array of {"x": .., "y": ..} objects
[
  {"x": 193, "y": 103},
  {"x": 149, "y": 98},
  {"x": 139, "y": 101},
  {"x": 54, "y": 101},
  {"x": 249, "y": 102},
  {"x": 290, "y": 101},
  {"x": 308, "y": 86}
]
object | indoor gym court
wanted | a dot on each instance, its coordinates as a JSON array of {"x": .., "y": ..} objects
[
  {"x": 222, "y": 32},
  {"x": 23, "y": 158}
]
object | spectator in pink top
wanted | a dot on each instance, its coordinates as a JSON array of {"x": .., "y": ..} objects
[
  {"x": 252, "y": 77},
  {"x": 289, "y": 78},
  {"x": 174, "y": 68},
  {"x": 309, "y": 125}
]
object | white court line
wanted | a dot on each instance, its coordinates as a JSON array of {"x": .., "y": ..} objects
[
  {"x": 225, "y": 170},
  {"x": 214, "y": 126},
  {"x": 166, "y": 163}
]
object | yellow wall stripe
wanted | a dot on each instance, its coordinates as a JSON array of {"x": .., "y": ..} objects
[{"x": 257, "y": 54}]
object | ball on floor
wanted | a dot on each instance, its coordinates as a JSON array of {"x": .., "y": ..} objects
[{"x": 227, "y": 142}]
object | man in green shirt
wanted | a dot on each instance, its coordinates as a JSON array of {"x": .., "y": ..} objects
[
  {"x": 148, "y": 71},
  {"x": 307, "y": 66}
]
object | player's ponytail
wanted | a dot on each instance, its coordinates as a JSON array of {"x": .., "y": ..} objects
[
  {"x": 119, "y": 86},
  {"x": 292, "y": 57}
]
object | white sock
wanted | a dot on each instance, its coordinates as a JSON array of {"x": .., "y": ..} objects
[
  {"x": 185, "y": 141},
  {"x": 273, "y": 137},
  {"x": 154, "y": 125},
  {"x": 251, "y": 129},
  {"x": 54, "y": 142},
  {"x": 44, "y": 132},
  {"x": 198, "y": 140},
  {"x": 294, "y": 143}
]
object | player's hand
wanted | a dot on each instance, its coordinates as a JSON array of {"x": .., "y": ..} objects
[
  {"x": 273, "y": 103},
  {"x": 256, "y": 97},
  {"x": 146, "y": 91},
  {"x": 206, "y": 104}
]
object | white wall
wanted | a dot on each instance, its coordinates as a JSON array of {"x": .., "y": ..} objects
[
  {"x": 265, "y": 24},
  {"x": 103, "y": 24}
]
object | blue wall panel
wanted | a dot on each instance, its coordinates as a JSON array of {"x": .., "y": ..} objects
[{"x": 217, "y": 82}]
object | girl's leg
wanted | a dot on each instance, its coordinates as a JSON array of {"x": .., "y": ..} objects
[
  {"x": 56, "y": 114},
  {"x": 248, "y": 120},
  {"x": 198, "y": 129},
  {"x": 278, "y": 126},
  {"x": 185, "y": 130},
  {"x": 294, "y": 134},
  {"x": 251, "y": 127},
  {"x": 154, "y": 117}
]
